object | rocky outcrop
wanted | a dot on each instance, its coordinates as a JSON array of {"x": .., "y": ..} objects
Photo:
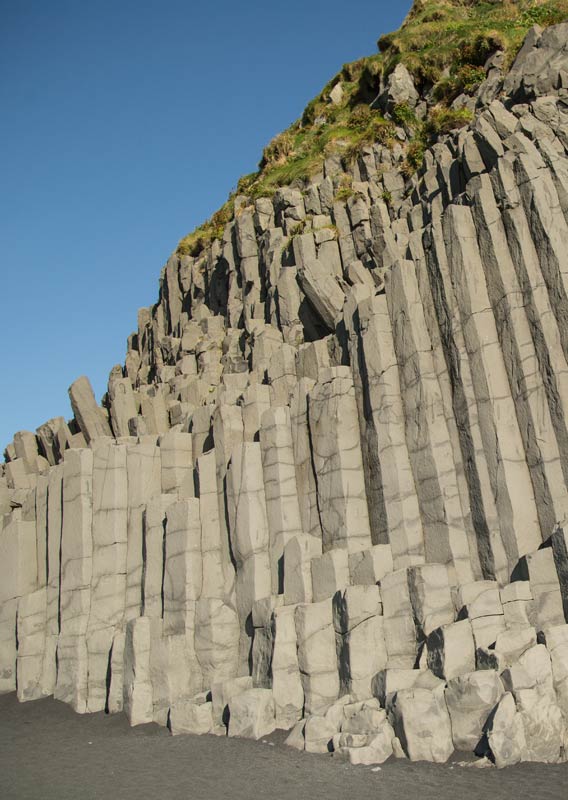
[{"x": 328, "y": 489}]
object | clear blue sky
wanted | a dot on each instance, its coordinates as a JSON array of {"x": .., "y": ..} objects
[{"x": 126, "y": 123}]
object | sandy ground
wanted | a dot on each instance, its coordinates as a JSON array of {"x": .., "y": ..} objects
[{"x": 47, "y": 752}]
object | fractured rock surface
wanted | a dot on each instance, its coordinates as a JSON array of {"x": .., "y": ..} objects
[{"x": 328, "y": 490}]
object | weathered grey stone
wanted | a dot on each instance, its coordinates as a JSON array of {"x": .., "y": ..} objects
[
  {"x": 427, "y": 435},
  {"x": 323, "y": 292},
  {"x": 521, "y": 363},
  {"x": 430, "y": 597},
  {"x": 491, "y": 383},
  {"x": 26, "y": 447},
  {"x": 505, "y": 733},
  {"x": 18, "y": 475},
  {"x": 422, "y": 724},
  {"x": 368, "y": 567},
  {"x": 216, "y": 640},
  {"x": 250, "y": 541},
  {"x": 173, "y": 671},
  {"x": 143, "y": 466},
  {"x": 255, "y": 401},
  {"x": 451, "y": 650},
  {"x": 545, "y": 588},
  {"x": 76, "y": 576},
  {"x": 367, "y": 468},
  {"x": 317, "y": 655},
  {"x": 54, "y": 530},
  {"x": 41, "y": 501},
  {"x": 183, "y": 573},
  {"x": 401, "y": 641},
  {"x": 399, "y": 89},
  {"x": 90, "y": 417},
  {"x": 377, "y": 749},
  {"x": 536, "y": 69},
  {"x": 54, "y": 436},
  {"x": 513, "y": 642},
  {"x": 108, "y": 579},
  {"x": 470, "y": 699},
  {"x": 318, "y": 734},
  {"x": 31, "y": 626},
  {"x": 361, "y": 647},
  {"x": 479, "y": 599},
  {"x": 177, "y": 463},
  {"x": 382, "y": 421},
  {"x": 298, "y": 555},
  {"x": 305, "y": 473},
  {"x": 335, "y": 438},
  {"x": 296, "y": 737},
  {"x": 251, "y": 714},
  {"x": 279, "y": 475},
  {"x": 122, "y": 405},
  {"x": 311, "y": 358},
  {"x": 218, "y": 571},
  {"x": 200, "y": 427},
  {"x": 245, "y": 235},
  {"x": 287, "y": 688},
  {"x": 154, "y": 410},
  {"x": 282, "y": 375},
  {"x": 543, "y": 724},
  {"x": 222, "y": 692},
  {"x": 154, "y": 531},
  {"x": 138, "y": 698},
  {"x": 191, "y": 716},
  {"x": 391, "y": 680},
  {"x": 330, "y": 572}
]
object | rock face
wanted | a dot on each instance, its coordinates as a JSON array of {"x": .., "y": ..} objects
[{"x": 328, "y": 490}]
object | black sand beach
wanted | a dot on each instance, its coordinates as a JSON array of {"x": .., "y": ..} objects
[{"x": 47, "y": 752}]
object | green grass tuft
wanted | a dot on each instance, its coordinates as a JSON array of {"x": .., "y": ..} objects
[{"x": 443, "y": 43}]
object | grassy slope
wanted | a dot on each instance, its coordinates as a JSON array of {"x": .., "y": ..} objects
[{"x": 444, "y": 44}]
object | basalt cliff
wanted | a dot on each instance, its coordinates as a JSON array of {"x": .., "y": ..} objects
[{"x": 328, "y": 489}]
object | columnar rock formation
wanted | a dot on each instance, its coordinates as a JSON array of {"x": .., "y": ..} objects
[{"x": 327, "y": 491}]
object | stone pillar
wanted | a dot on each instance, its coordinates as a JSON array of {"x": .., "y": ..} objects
[
  {"x": 303, "y": 462},
  {"x": 470, "y": 422},
  {"x": 90, "y": 417},
  {"x": 287, "y": 688},
  {"x": 359, "y": 630},
  {"x": 504, "y": 448},
  {"x": 317, "y": 655},
  {"x": 218, "y": 571},
  {"x": 108, "y": 582},
  {"x": 256, "y": 400},
  {"x": 41, "y": 494},
  {"x": 18, "y": 577},
  {"x": 154, "y": 526},
  {"x": 54, "y": 531},
  {"x": 521, "y": 361},
  {"x": 31, "y": 683},
  {"x": 216, "y": 640},
  {"x": 122, "y": 405},
  {"x": 427, "y": 435},
  {"x": 177, "y": 464},
  {"x": 76, "y": 575},
  {"x": 385, "y": 407},
  {"x": 183, "y": 576},
  {"x": 336, "y": 448},
  {"x": 249, "y": 537},
  {"x": 280, "y": 489},
  {"x": 138, "y": 697},
  {"x": 143, "y": 464}
]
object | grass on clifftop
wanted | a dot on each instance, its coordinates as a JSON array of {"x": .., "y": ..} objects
[{"x": 443, "y": 43}]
